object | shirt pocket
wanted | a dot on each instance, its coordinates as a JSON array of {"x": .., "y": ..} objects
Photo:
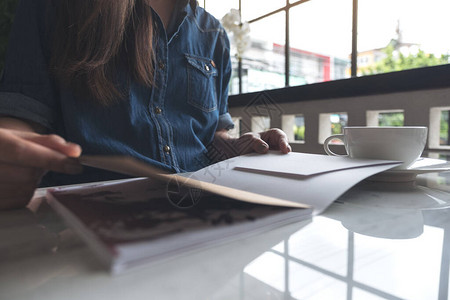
[{"x": 202, "y": 75}]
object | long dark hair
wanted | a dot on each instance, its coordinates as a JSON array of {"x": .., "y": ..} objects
[{"x": 93, "y": 38}]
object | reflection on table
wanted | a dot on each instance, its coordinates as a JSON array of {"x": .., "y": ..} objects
[{"x": 378, "y": 241}]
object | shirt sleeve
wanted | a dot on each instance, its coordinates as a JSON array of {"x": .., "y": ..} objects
[
  {"x": 225, "y": 121},
  {"x": 26, "y": 88}
]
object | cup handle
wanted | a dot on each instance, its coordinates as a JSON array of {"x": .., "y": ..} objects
[{"x": 327, "y": 142}]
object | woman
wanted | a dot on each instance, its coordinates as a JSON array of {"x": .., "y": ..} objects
[{"x": 147, "y": 78}]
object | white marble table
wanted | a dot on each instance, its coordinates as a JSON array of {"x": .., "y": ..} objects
[{"x": 378, "y": 241}]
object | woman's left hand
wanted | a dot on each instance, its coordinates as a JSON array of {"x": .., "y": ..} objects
[{"x": 272, "y": 139}]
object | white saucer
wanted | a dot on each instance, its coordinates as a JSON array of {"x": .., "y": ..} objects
[{"x": 420, "y": 166}]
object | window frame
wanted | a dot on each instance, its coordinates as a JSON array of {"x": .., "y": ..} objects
[{"x": 435, "y": 76}]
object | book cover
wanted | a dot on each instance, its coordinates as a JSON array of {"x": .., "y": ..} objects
[{"x": 131, "y": 223}]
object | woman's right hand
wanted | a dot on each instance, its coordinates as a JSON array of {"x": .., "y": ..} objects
[{"x": 25, "y": 157}]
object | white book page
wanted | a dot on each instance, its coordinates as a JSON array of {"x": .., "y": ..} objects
[
  {"x": 317, "y": 191},
  {"x": 300, "y": 164}
]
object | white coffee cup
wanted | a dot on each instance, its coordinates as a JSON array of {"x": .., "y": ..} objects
[{"x": 403, "y": 144}]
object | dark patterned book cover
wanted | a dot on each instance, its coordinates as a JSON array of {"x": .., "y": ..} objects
[{"x": 135, "y": 221}]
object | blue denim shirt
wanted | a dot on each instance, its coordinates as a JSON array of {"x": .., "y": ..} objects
[{"x": 169, "y": 125}]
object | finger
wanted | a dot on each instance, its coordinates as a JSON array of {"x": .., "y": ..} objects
[
  {"x": 243, "y": 144},
  {"x": 52, "y": 141},
  {"x": 17, "y": 151},
  {"x": 251, "y": 142},
  {"x": 284, "y": 145},
  {"x": 277, "y": 140},
  {"x": 10, "y": 174},
  {"x": 260, "y": 146}
]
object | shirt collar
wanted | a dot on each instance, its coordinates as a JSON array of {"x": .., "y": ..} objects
[
  {"x": 182, "y": 9},
  {"x": 192, "y": 3}
]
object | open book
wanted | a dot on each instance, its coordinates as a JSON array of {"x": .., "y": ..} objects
[
  {"x": 294, "y": 180},
  {"x": 132, "y": 222}
]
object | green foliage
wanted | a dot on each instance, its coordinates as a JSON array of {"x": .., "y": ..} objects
[
  {"x": 397, "y": 62},
  {"x": 391, "y": 119},
  {"x": 444, "y": 134},
  {"x": 7, "y": 11},
  {"x": 336, "y": 128},
  {"x": 299, "y": 133}
]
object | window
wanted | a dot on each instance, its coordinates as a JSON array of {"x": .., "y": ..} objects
[
  {"x": 444, "y": 133},
  {"x": 439, "y": 133},
  {"x": 331, "y": 124},
  {"x": 409, "y": 34},
  {"x": 252, "y": 9},
  {"x": 385, "y": 117},
  {"x": 299, "y": 42},
  {"x": 263, "y": 65},
  {"x": 294, "y": 127},
  {"x": 391, "y": 119},
  {"x": 261, "y": 123},
  {"x": 320, "y": 41},
  {"x": 219, "y": 8}
]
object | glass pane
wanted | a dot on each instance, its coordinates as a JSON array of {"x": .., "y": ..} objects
[
  {"x": 299, "y": 128},
  {"x": 252, "y": 9},
  {"x": 338, "y": 122},
  {"x": 402, "y": 34},
  {"x": 219, "y": 8},
  {"x": 320, "y": 37},
  {"x": 391, "y": 119},
  {"x": 263, "y": 63},
  {"x": 260, "y": 124},
  {"x": 294, "y": 127},
  {"x": 444, "y": 134},
  {"x": 234, "y": 80}
]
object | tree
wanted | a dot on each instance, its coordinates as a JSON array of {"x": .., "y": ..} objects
[
  {"x": 391, "y": 119},
  {"x": 299, "y": 133},
  {"x": 444, "y": 134},
  {"x": 396, "y": 61}
]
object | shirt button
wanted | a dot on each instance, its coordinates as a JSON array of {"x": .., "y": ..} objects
[
  {"x": 206, "y": 67},
  {"x": 166, "y": 149},
  {"x": 158, "y": 110},
  {"x": 161, "y": 65}
]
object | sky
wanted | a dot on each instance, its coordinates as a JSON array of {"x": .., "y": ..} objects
[{"x": 324, "y": 26}]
